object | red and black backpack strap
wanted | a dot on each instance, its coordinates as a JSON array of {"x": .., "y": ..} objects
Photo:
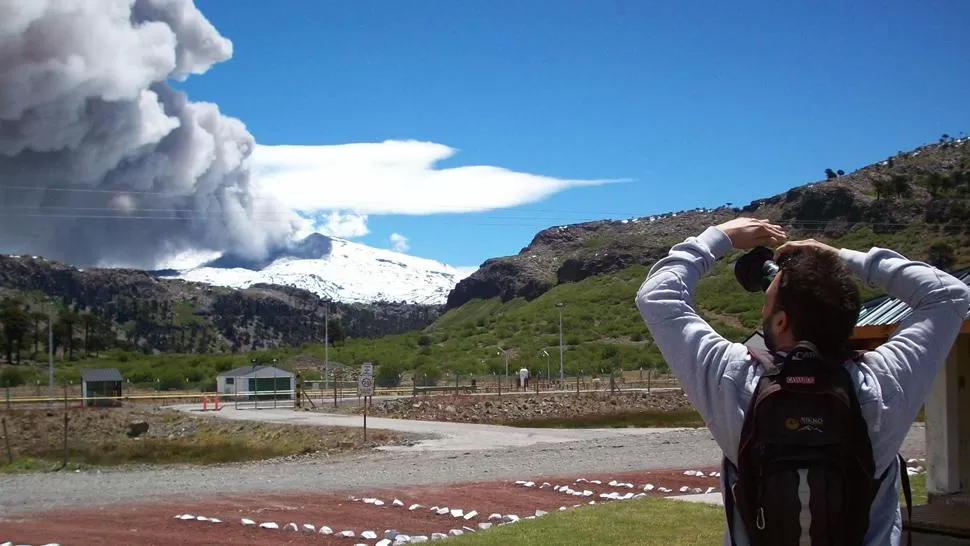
[
  {"x": 768, "y": 360},
  {"x": 770, "y": 363}
]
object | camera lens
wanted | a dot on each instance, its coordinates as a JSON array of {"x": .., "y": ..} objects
[
  {"x": 755, "y": 270},
  {"x": 769, "y": 270}
]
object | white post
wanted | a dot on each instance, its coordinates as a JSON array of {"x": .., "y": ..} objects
[
  {"x": 560, "y": 305},
  {"x": 942, "y": 428},
  {"x": 50, "y": 349}
]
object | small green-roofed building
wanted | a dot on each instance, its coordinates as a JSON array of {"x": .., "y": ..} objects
[
  {"x": 259, "y": 381},
  {"x": 101, "y": 387}
]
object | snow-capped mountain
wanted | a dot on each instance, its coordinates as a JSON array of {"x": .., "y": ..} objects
[{"x": 338, "y": 269}]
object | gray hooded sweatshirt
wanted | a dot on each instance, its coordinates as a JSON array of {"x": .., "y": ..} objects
[{"x": 719, "y": 376}]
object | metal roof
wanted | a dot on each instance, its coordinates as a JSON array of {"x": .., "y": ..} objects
[
  {"x": 261, "y": 371},
  {"x": 886, "y": 310},
  {"x": 96, "y": 375}
]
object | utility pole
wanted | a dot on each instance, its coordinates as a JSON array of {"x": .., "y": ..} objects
[
  {"x": 255, "y": 391},
  {"x": 50, "y": 347},
  {"x": 559, "y": 306}
]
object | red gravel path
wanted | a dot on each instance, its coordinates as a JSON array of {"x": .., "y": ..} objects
[{"x": 155, "y": 523}]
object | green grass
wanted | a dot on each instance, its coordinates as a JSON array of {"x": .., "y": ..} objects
[
  {"x": 917, "y": 486},
  {"x": 202, "y": 451},
  {"x": 30, "y": 464},
  {"x": 644, "y": 522},
  {"x": 648, "y": 521},
  {"x": 644, "y": 419},
  {"x": 153, "y": 451}
]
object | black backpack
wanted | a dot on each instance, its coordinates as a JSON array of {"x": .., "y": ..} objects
[{"x": 805, "y": 462}]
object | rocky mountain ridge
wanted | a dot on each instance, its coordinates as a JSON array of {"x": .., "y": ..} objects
[{"x": 928, "y": 185}]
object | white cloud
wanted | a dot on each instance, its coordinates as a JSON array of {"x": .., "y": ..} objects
[
  {"x": 399, "y": 242},
  {"x": 395, "y": 177}
]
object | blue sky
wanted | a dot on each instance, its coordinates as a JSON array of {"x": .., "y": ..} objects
[{"x": 695, "y": 103}]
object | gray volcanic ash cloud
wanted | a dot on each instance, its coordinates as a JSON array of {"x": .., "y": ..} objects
[{"x": 101, "y": 161}]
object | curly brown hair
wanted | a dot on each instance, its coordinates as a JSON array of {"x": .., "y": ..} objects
[{"x": 821, "y": 298}]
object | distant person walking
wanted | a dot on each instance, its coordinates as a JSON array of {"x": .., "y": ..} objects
[{"x": 810, "y": 310}]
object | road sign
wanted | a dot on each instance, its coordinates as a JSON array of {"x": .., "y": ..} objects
[{"x": 365, "y": 383}]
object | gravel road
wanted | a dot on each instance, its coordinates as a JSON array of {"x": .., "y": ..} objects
[
  {"x": 439, "y": 435},
  {"x": 593, "y": 451}
]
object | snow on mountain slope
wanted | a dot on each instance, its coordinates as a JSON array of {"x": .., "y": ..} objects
[{"x": 337, "y": 269}]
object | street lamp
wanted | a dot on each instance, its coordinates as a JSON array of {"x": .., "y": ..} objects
[
  {"x": 326, "y": 345},
  {"x": 274, "y": 383},
  {"x": 505, "y": 353},
  {"x": 548, "y": 369},
  {"x": 50, "y": 347},
  {"x": 255, "y": 388},
  {"x": 559, "y": 306}
]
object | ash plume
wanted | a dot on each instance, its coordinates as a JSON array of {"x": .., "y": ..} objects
[{"x": 101, "y": 161}]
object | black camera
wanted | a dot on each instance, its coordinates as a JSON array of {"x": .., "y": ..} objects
[{"x": 756, "y": 269}]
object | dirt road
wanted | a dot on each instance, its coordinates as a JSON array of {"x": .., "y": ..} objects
[{"x": 447, "y": 436}]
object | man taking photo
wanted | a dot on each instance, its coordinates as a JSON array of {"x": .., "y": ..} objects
[{"x": 810, "y": 310}]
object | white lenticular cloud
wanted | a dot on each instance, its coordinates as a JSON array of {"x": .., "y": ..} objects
[
  {"x": 395, "y": 177},
  {"x": 399, "y": 242}
]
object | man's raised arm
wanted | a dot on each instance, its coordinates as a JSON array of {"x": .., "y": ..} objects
[
  {"x": 694, "y": 351},
  {"x": 914, "y": 354}
]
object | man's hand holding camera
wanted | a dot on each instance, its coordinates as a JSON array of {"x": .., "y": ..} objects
[
  {"x": 807, "y": 244},
  {"x": 747, "y": 233}
]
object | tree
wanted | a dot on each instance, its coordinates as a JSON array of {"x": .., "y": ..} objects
[
  {"x": 899, "y": 185},
  {"x": 336, "y": 333},
  {"x": 960, "y": 181},
  {"x": 387, "y": 376},
  {"x": 426, "y": 375},
  {"x": 37, "y": 317},
  {"x": 16, "y": 323},
  {"x": 882, "y": 188},
  {"x": 840, "y": 172},
  {"x": 830, "y": 174},
  {"x": 934, "y": 183},
  {"x": 941, "y": 256},
  {"x": 66, "y": 322},
  {"x": 88, "y": 325}
]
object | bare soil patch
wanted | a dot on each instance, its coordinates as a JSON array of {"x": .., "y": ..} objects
[
  {"x": 155, "y": 523},
  {"x": 117, "y": 436}
]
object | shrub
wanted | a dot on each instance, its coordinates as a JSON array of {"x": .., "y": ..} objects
[{"x": 12, "y": 377}]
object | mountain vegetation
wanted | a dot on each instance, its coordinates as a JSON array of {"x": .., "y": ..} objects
[
  {"x": 85, "y": 312},
  {"x": 506, "y": 313}
]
